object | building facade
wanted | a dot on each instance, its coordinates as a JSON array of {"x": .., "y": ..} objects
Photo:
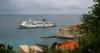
[
  {"x": 29, "y": 49},
  {"x": 69, "y": 32}
]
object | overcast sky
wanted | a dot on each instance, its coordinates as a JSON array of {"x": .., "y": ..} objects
[{"x": 44, "y": 6}]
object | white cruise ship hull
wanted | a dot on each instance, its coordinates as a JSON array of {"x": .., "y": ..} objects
[
  {"x": 30, "y": 24},
  {"x": 46, "y": 25}
]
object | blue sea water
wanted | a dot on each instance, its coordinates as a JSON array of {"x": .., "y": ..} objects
[{"x": 10, "y": 34}]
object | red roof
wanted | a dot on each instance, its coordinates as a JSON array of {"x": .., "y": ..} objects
[
  {"x": 75, "y": 27},
  {"x": 69, "y": 45}
]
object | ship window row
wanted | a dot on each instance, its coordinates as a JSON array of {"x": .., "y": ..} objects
[{"x": 38, "y": 23}]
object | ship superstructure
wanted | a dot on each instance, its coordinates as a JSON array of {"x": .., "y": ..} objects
[{"x": 36, "y": 24}]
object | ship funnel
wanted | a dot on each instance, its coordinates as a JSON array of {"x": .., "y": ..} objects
[{"x": 44, "y": 20}]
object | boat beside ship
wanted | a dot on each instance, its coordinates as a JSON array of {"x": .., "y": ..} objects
[{"x": 30, "y": 24}]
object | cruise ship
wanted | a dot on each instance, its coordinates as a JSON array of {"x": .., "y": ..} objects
[{"x": 30, "y": 24}]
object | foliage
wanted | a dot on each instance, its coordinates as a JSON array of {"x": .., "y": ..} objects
[
  {"x": 8, "y": 50},
  {"x": 51, "y": 49},
  {"x": 2, "y": 47},
  {"x": 44, "y": 47},
  {"x": 9, "y": 47},
  {"x": 91, "y": 29},
  {"x": 11, "y": 51},
  {"x": 55, "y": 49}
]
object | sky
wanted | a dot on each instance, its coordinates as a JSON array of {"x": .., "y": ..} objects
[{"x": 44, "y": 6}]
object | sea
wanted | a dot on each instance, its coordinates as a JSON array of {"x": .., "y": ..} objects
[{"x": 11, "y": 34}]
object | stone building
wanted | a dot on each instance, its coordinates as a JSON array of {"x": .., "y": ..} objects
[
  {"x": 29, "y": 49},
  {"x": 68, "y": 31}
]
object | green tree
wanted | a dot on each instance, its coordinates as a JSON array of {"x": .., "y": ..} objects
[
  {"x": 8, "y": 50},
  {"x": 2, "y": 47},
  {"x": 9, "y": 47},
  {"x": 91, "y": 29}
]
